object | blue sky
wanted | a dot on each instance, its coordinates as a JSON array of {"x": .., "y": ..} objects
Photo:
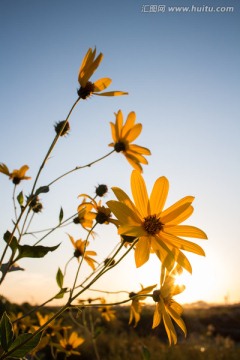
[{"x": 182, "y": 74}]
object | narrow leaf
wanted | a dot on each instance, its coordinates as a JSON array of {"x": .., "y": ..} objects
[
  {"x": 34, "y": 251},
  {"x": 13, "y": 244},
  {"x": 14, "y": 267},
  {"x": 42, "y": 189},
  {"x": 59, "y": 278},
  {"x": 60, "y": 215},
  {"x": 24, "y": 349},
  {"x": 20, "y": 198},
  {"x": 6, "y": 332},
  {"x": 61, "y": 293}
]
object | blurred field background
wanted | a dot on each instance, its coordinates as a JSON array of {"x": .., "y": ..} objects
[{"x": 213, "y": 333}]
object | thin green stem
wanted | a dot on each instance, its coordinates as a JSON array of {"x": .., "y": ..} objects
[
  {"x": 52, "y": 146},
  {"x": 80, "y": 167}
]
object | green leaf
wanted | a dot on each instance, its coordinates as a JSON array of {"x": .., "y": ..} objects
[
  {"x": 145, "y": 353},
  {"x": 61, "y": 293},
  {"x": 42, "y": 189},
  {"x": 34, "y": 251},
  {"x": 20, "y": 198},
  {"x": 60, "y": 215},
  {"x": 14, "y": 243},
  {"x": 59, "y": 278},
  {"x": 25, "y": 348},
  {"x": 14, "y": 267},
  {"x": 6, "y": 332}
]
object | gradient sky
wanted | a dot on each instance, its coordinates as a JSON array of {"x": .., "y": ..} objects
[{"x": 182, "y": 74}]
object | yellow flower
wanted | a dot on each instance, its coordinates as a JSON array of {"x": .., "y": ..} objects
[
  {"x": 106, "y": 312},
  {"x": 17, "y": 175},
  {"x": 87, "y": 68},
  {"x": 85, "y": 216},
  {"x": 136, "y": 306},
  {"x": 100, "y": 213},
  {"x": 52, "y": 328},
  {"x": 70, "y": 343},
  {"x": 167, "y": 308},
  {"x": 123, "y": 135},
  {"x": 158, "y": 230},
  {"x": 80, "y": 250}
]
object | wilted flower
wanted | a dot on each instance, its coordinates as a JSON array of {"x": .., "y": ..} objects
[
  {"x": 123, "y": 135},
  {"x": 158, "y": 230},
  {"x": 136, "y": 306},
  {"x": 80, "y": 250},
  {"x": 167, "y": 308},
  {"x": 87, "y": 68},
  {"x": 17, "y": 175}
]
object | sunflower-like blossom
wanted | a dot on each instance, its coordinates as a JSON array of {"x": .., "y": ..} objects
[
  {"x": 85, "y": 217},
  {"x": 158, "y": 230},
  {"x": 80, "y": 251},
  {"x": 89, "y": 64},
  {"x": 100, "y": 213},
  {"x": 16, "y": 175},
  {"x": 167, "y": 308},
  {"x": 69, "y": 343},
  {"x": 123, "y": 135},
  {"x": 136, "y": 305},
  {"x": 107, "y": 313}
]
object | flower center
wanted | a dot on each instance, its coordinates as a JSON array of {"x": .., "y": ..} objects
[
  {"x": 86, "y": 91},
  {"x": 77, "y": 253},
  {"x": 119, "y": 146},
  {"x": 152, "y": 224},
  {"x": 156, "y": 295}
]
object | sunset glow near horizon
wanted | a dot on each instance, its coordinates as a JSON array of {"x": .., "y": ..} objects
[{"x": 182, "y": 75}]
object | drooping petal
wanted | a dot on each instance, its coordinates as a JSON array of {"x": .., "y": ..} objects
[
  {"x": 159, "y": 195},
  {"x": 176, "y": 317},
  {"x": 139, "y": 192},
  {"x": 142, "y": 251},
  {"x": 133, "y": 161},
  {"x": 181, "y": 259},
  {"x": 171, "y": 333},
  {"x": 157, "y": 316}
]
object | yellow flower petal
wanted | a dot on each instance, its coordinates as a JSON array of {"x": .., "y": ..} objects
[
  {"x": 186, "y": 230},
  {"x": 134, "y": 132},
  {"x": 179, "y": 204},
  {"x": 182, "y": 244},
  {"x": 123, "y": 213},
  {"x": 142, "y": 251},
  {"x": 174, "y": 213},
  {"x": 131, "y": 118},
  {"x": 139, "y": 192},
  {"x": 4, "y": 169},
  {"x": 159, "y": 195},
  {"x": 112, "y": 93},
  {"x": 140, "y": 149},
  {"x": 101, "y": 84}
]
